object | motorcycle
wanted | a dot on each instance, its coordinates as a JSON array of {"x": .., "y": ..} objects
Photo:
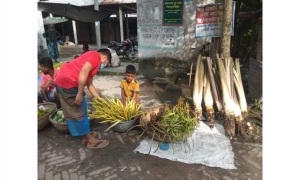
[{"x": 125, "y": 48}]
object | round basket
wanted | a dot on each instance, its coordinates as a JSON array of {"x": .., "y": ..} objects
[
  {"x": 62, "y": 127},
  {"x": 44, "y": 120},
  {"x": 145, "y": 119}
]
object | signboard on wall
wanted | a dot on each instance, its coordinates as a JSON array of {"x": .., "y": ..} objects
[
  {"x": 149, "y": 12},
  {"x": 172, "y": 12},
  {"x": 209, "y": 20},
  {"x": 158, "y": 37}
]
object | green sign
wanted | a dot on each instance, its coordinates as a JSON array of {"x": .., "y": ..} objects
[{"x": 172, "y": 12}]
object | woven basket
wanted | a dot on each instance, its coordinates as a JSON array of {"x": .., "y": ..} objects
[
  {"x": 62, "y": 127},
  {"x": 44, "y": 120},
  {"x": 144, "y": 120}
]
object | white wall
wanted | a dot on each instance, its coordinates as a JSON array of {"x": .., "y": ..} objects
[{"x": 183, "y": 44}]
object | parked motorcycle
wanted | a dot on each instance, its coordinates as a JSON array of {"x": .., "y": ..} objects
[{"x": 125, "y": 48}]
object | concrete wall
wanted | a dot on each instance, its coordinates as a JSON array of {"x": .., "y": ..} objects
[
  {"x": 174, "y": 45},
  {"x": 255, "y": 78}
]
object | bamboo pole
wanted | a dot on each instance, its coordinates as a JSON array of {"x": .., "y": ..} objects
[
  {"x": 198, "y": 88},
  {"x": 208, "y": 101},
  {"x": 213, "y": 84}
]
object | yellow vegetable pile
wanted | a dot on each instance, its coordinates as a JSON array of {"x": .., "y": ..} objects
[
  {"x": 42, "y": 113},
  {"x": 113, "y": 111},
  {"x": 57, "y": 65}
]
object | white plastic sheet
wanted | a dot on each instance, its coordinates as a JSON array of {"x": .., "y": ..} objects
[{"x": 208, "y": 147}]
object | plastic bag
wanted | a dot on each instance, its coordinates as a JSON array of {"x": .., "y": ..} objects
[{"x": 115, "y": 60}]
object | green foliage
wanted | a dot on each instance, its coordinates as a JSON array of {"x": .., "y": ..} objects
[
  {"x": 252, "y": 99},
  {"x": 244, "y": 27},
  {"x": 178, "y": 120}
]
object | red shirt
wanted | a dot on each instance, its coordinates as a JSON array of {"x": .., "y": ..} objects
[
  {"x": 47, "y": 77},
  {"x": 69, "y": 72}
]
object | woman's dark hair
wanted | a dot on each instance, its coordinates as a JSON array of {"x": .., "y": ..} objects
[
  {"x": 105, "y": 52},
  {"x": 130, "y": 69},
  {"x": 46, "y": 62}
]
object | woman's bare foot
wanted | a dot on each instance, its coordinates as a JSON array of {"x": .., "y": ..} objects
[
  {"x": 84, "y": 138},
  {"x": 98, "y": 144}
]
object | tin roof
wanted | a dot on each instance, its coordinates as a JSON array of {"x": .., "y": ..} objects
[
  {"x": 107, "y": 2},
  {"x": 73, "y": 2},
  {"x": 90, "y": 2}
]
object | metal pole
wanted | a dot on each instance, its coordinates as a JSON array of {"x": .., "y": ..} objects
[
  {"x": 41, "y": 29},
  {"x": 110, "y": 31},
  {"x": 127, "y": 27},
  {"x": 75, "y": 34},
  {"x": 97, "y": 26},
  {"x": 63, "y": 29},
  {"x": 121, "y": 23}
]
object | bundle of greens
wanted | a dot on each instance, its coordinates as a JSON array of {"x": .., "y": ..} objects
[
  {"x": 171, "y": 124},
  {"x": 178, "y": 121}
]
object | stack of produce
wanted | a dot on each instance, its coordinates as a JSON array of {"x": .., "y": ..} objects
[
  {"x": 172, "y": 125},
  {"x": 223, "y": 93},
  {"x": 58, "y": 65},
  {"x": 43, "y": 112},
  {"x": 114, "y": 111},
  {"x": 60, "y": 118}
]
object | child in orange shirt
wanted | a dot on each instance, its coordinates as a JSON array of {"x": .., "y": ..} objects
[{"x": 130, "y": 88}]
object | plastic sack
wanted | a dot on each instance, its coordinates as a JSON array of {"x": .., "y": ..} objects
[{"x": 115, "y": 60}]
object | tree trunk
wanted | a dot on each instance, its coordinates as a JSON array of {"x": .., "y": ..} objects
[{"x": 226, "y": 28}]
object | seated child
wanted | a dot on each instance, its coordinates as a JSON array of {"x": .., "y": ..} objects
[
  {"x": 130, "y": 88},
  {"x": 46, "y": 90}
]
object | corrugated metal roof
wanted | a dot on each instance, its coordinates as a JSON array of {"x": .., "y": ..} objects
[
  {"x": 106, "y": 2},
  {"x": 91, "y": 2},
  {"x": 74, "y": 2}
]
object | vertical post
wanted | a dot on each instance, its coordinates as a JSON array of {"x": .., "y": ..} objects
[
  {"x": 75, "y": 35},
  {"x": 97, "y": 26},
  {"x": 41, "y": 29},
  {"x": 226, "y": 28},
  {"x": 121, "y": 23},
  {"x": 110, "y": 31},
  {"x": 63, "y": 29},
  {"x": 127, "y": 27}
]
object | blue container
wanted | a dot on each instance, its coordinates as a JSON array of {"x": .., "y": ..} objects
[
  {"x": 39, "y": 80},
  {"x": 164, "y": 146}
]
